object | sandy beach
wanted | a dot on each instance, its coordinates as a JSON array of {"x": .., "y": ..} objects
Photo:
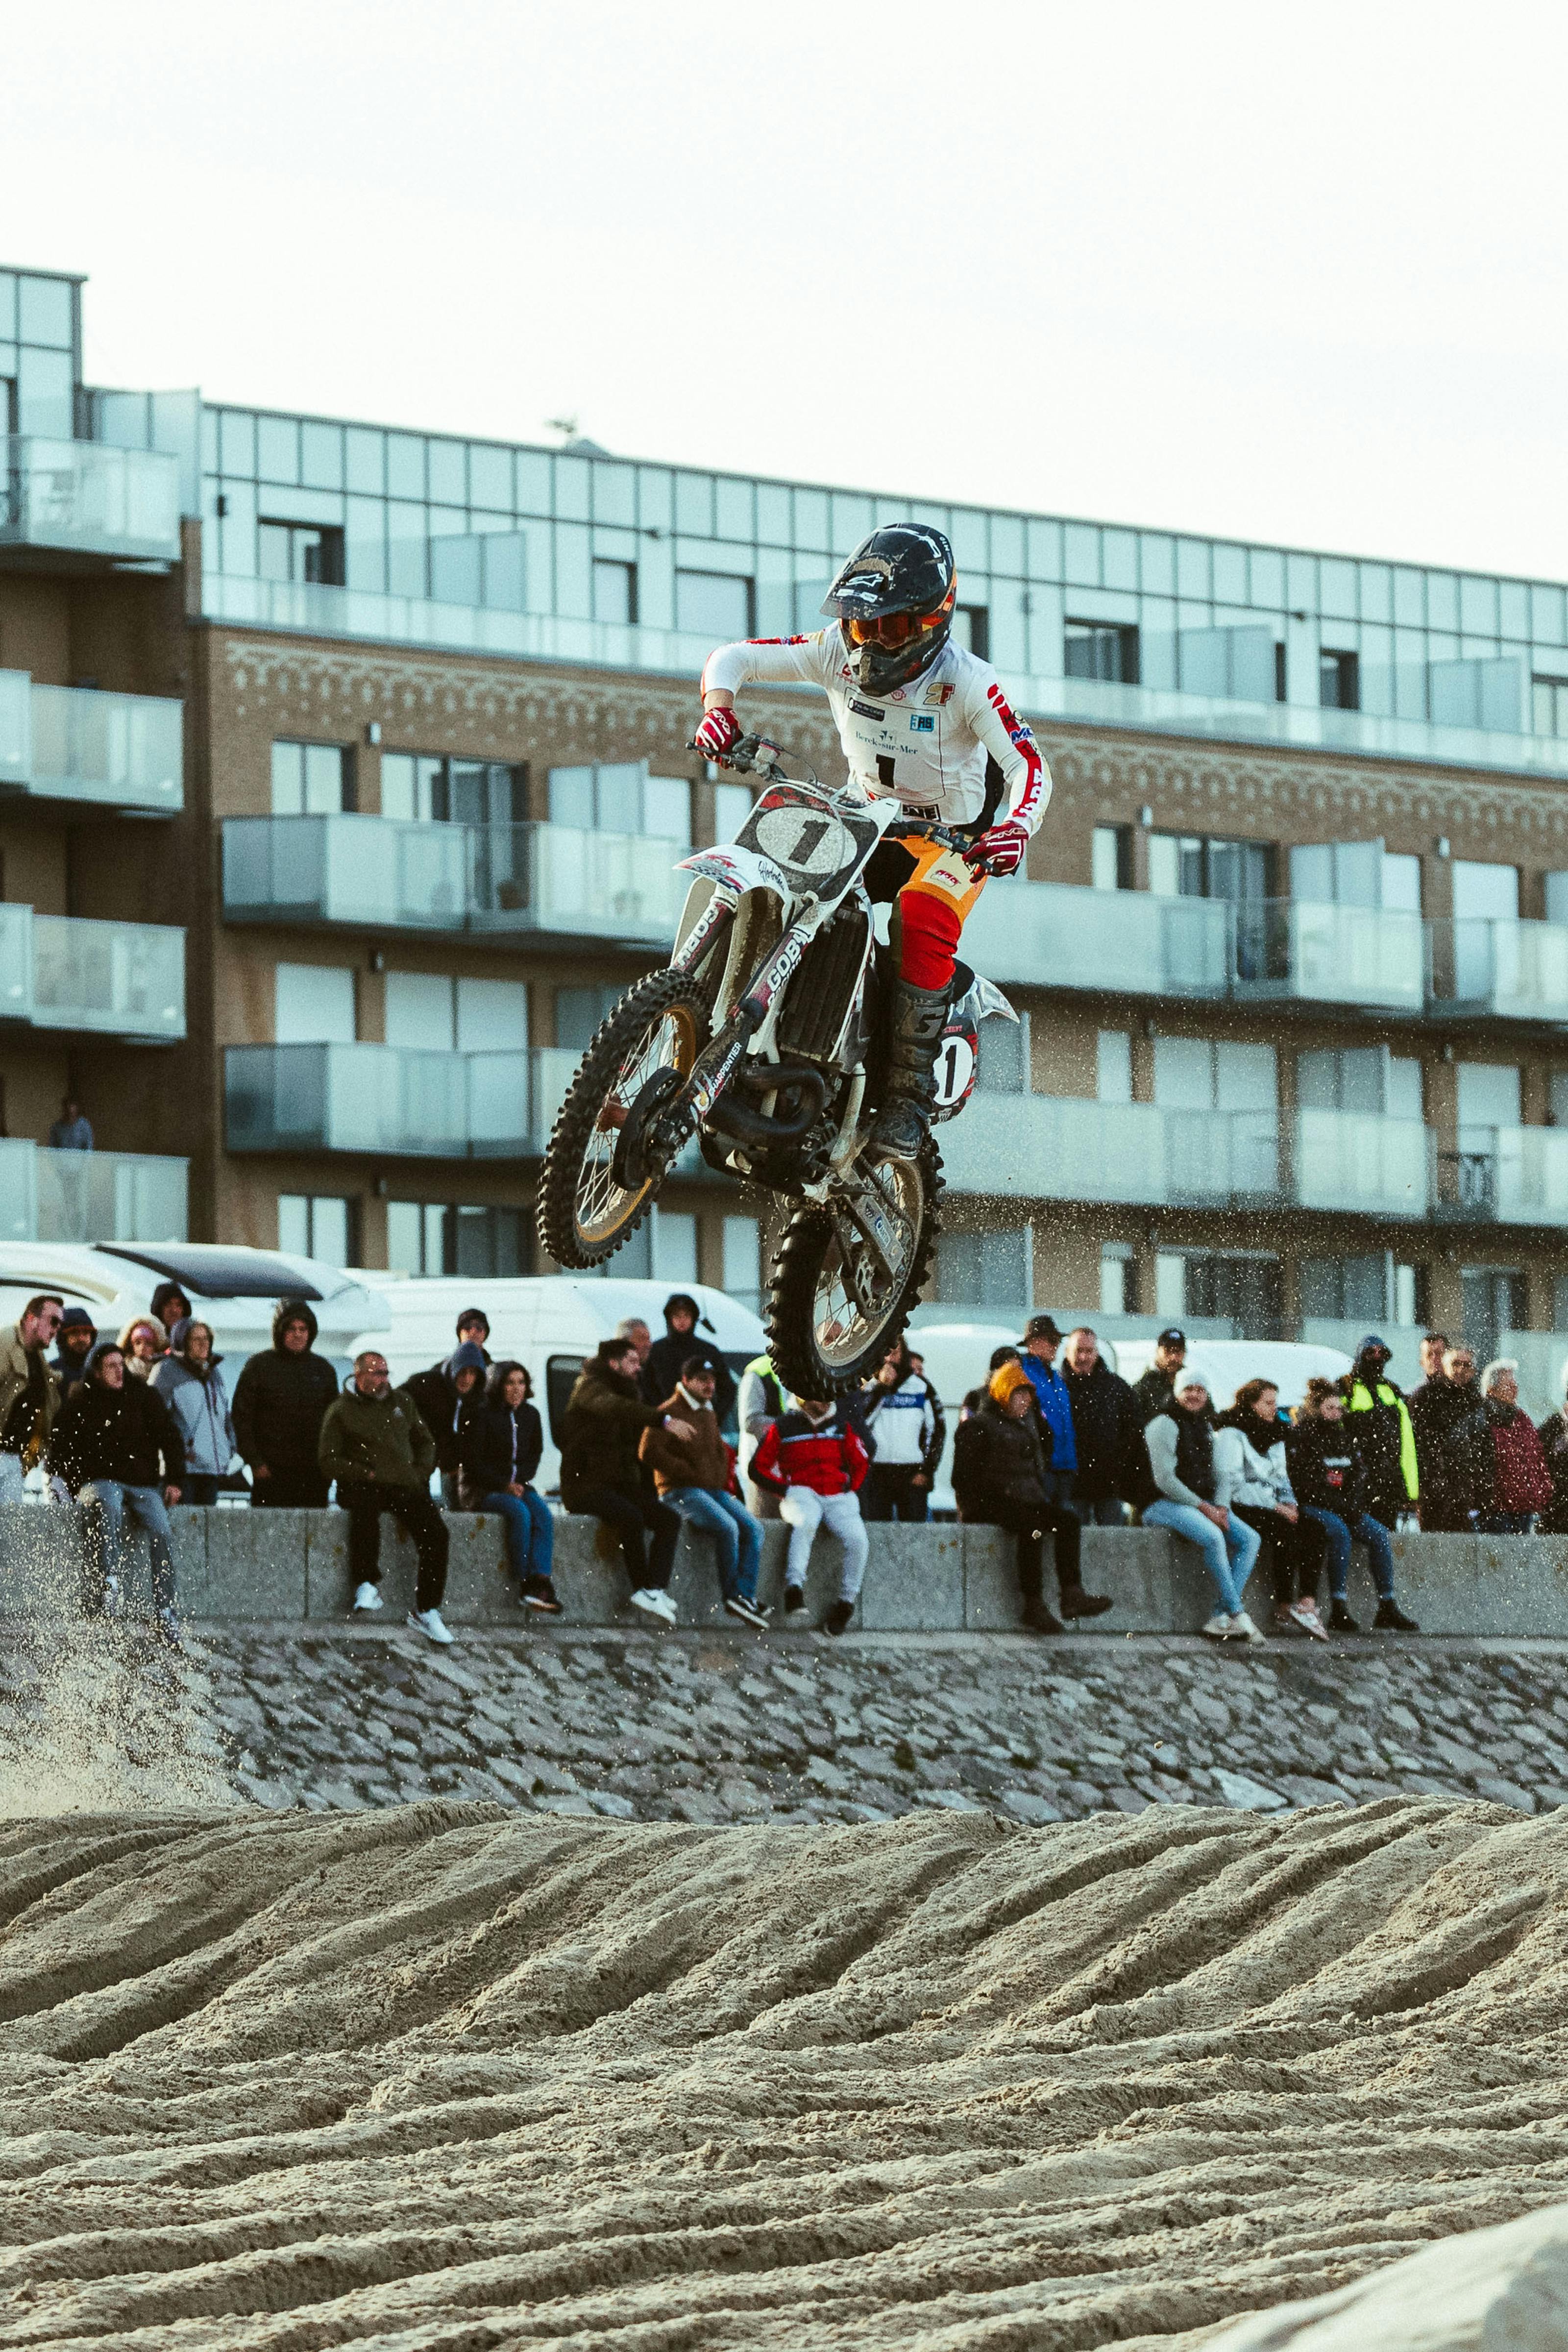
[{"x": 439, "y": 2075}]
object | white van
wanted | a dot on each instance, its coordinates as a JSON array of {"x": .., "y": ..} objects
[{"x": 549, "y": 1322}]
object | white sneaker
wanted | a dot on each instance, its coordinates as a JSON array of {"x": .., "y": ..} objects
[
  {"x": 429, "y": 1621},
  {"x": 1305, "y": 1614},
  {"x": 1242, "y": 1629},
  {"x": 1218, "y": 1627},
  {"x": 366, "y": 1598},
  {"x": 655, "y": 1602}
]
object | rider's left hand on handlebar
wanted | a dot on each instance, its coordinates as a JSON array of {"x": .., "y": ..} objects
[
  {"x": 718, "y": 733},
  {"x": 1001, "y": 848}
]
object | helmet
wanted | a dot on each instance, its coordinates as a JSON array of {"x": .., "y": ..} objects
[{"x": 894, "y": 599}]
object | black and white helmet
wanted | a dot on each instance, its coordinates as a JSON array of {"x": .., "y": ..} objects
[{"x": 895, "y": 601}]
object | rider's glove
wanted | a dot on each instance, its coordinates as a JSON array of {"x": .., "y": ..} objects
[
  {"x": 718, "y": 733},
  {"x": 1003, "y": 848}
]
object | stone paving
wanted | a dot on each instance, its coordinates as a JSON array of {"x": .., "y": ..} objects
[{"x": 711, "y": 1727}]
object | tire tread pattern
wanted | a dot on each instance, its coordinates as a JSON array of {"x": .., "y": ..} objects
[{"x": 792, "y": 1294}]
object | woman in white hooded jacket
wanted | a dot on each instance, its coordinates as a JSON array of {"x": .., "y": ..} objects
[{"x": 1252, "y": 1480}]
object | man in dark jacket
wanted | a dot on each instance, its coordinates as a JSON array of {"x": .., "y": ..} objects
[
  {"x": 116, "y": 1450},
  {"x": 1155, "y": 1392},
  {"x": 170, "y": 1306},
  {"x": 1001, "y": 1465},
  {"x": 78, "y": 1337},
  {"x": 661, "y": 1367},
  {"x": 279, "y": 1401},
  {"x": 444, "y": 1395},
  {"x": 374, "y": 1442},
  {"x": 1386, "y": 1438},
  {"x": 600, "y": 1473},
  {"x": 1453, "y": 1445},
  {"x": 1107, "y": 1424}
]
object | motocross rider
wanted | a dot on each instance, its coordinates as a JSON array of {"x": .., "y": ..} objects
[{"x": 926, "y": 723}]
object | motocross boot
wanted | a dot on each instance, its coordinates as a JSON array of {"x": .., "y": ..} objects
[{"x": 916, "y": 1017}]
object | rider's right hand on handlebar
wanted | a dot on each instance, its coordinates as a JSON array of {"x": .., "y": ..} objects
[{"x": 718, "y": 733}]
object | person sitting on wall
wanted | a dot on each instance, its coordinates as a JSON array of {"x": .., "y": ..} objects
[
  {"x": 116, "y": 1448},
  {"x": 279, "y": 1400},
  {"x": 1001, "y": 1478},
  {"x": 975, "y": 1398},
  {"x": 685, "y": 1450},
  {"x": 498, "y": 1446},
  {"x": 1252, "y": 1479},
  {"x": 444, "y": 1395},
  {"x": 1330, "y": 1481},
  {"x": 1178, "y": 1492},
  {"x": 170, "y": 1306},
  {"x": 1521, "y": 1483},
  {"x": 813, "y": 1461},
  {"x": 1553, "y": 1435},
  {"x": 602, "y": 1475},
  {"x": 143, "y": 1343},
  {"x": 374, "y": 1443}
]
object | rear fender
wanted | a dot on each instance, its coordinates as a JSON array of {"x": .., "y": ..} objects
[{"x": 958, "y": 1059}]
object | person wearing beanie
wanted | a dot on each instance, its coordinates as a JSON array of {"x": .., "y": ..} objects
[
  {"x": 191, "y": 1385},
  {"x": 1178, "y": 1492},
  {"x": 1001, "y": 1478},
  {"x": 77, "y": 1339},
  {"x": 280, "y": 1400},
  {"x": 444, "y": 1395},
  {"x": 143, "y": 1343},
  {"x": 1330, "y": 1482}
]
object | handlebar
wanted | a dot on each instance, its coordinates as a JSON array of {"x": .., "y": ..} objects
[{"x": 753, "y": 755}]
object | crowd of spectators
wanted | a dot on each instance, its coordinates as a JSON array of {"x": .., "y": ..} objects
[{"x": 134, "y": 1424}]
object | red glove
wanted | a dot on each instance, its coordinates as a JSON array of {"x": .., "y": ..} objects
[
  {"x": 718, "y": 733},
  {"x": 1003, "y": 848}
]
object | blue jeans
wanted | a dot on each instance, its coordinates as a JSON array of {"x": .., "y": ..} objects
[
  {"x": 529, "y": 1530},
  {"x": 739, "y": 1535},
  {"x": 1341, "y": 1533},
  {"x": 1230, "y": 1554},
  {"x": 107, "y": 1502}
]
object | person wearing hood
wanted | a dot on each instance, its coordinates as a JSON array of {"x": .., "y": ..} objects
[
  {"x": 1252, "y": 1480},
  {"x": 78, "y": 1339},
  {"x": 1521, "y": 1480},
  {"x": 1387, "y": 1439},
  {"x": 1179, "y": 1492},
  {"x": 170, "y": 1306},
  {"x": 602, "y": 1475},
  {"x": 661, "y": 1366},
  {"x": 280, "y": 1400},
  {"x": 191, "y": 1385},
  {"x": 444, "y": 1395},
  {"x": 500, "y": 1441},
  {"x": 1330, "y": 1482},
  {"x": 116, "y": 1450},
  {"x": 1001, "y": 1478},
  {"x": 975, "y": 1398}
]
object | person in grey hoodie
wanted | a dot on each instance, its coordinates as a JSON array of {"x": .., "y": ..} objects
[{"x": 191, "y": 1385}]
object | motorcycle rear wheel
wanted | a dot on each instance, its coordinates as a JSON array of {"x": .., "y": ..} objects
[
  {"x": 584, "y": 1212},
  {"x": 821, "y": 1340}
]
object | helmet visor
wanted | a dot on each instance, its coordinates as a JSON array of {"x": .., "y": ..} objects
[{"x": 890, "y": 629}]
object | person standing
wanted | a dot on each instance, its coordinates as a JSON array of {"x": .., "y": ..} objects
[
  {"x": 444, "y": 1395},
  {"x": 78, "y": 1339},
  {"x": 1038, "y": 1350},
  {"x": 143, "y": 1343},
  {"x": 1330, "y": 1482},
  {"x": 1453, "y": 1445},
  {"x": 1001, "y": 1478},
  {"x": 900, "y": 1423},
  {"x": 1155, "y": 1392},
  {"x": 279, "y": 1401},
  {"x": 662, "y": 1364},
  {"x": 374, "y": 1443},
  {"x": 603, "y": 1476},
  {"x": 761, "y": 1405},
  {"x": 115, "y": 1448},
  {"x": 685, "y": 1450},
  {"x": 170, "y": 1306},
  {"x": 191, "y": 1385},
  {"x": 1387, "y": 1439},
  {"x": 1521, "y": 1482},
  {"x": 498, "y": 1446},
  {"x": 72, "y": 1131},
  {"x": 1179, "y": 1492},
  {"x": 30, "y": 1392},
  {"x": 1106, "y": 1427},
  {"x": 815, "y": 1465}
]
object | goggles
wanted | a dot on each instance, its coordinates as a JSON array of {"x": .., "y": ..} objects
[{"x": 892, "y": 629}]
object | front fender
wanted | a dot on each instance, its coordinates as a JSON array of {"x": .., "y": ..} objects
[{"x": 743, "y": 869}]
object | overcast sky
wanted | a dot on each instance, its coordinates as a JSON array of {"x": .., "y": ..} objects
[{"x": 1284, "y": 273}]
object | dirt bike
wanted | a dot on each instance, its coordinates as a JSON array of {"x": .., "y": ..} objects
[{"x": 764, "y": 1038}]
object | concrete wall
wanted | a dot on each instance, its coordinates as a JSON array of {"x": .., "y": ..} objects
[{"x": 291, "y": 1565}]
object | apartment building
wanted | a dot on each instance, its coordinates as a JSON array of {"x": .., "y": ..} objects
[{"x": 1291, "y": 955}]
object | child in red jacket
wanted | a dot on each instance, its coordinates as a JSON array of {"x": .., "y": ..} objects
[{"x": 815, "y": 1465}]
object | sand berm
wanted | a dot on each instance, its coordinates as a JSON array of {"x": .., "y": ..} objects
[{"x": 443, "y": 2076}]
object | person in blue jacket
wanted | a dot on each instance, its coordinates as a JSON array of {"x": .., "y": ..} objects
[{"x": 1039, "y": 1347}]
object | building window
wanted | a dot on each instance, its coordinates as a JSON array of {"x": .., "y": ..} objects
[
  {"x": 990, "y": 1269},
  {"x": 1113, "y": 1067},
  {"x": 1549, "y": 705},
  {"x": 300, "y": 552},
  {"x": 313, "y": 1005},
  {"x": 743, "y": 1260},
  {"x": 1494, "y": 1303},
  {"x": 1112, "y": 856},
  {"x": 437, "y": 1237},
  {"x": 434, "y": 1012},
  {"x": 415, "y": 788},
  {"x": 1339, "y": 681},
  {"x": 971, "y": 629},
  {"x": 312, "y": 779},
  {"x": 1118, "y": 1279},
  {"x": 615, "y": 591},
  {"x": 1346, "y": 1290},
  {"x": 1186, "y": 865},
  {"x": 620, "y": 796},
  {"x": 673, "y": 1246},
  {"x": 1100, "y": 649},
  {"x": 714, "y": 605},
  {"x": 318, "y": 1226},
  {"x": 731, "y": 807},
  {"x": 578, "y": 1013},
  {"x": 1243, "y": 1291}
]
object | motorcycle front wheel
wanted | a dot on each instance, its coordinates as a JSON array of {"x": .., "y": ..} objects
[
  {"x": 586, "y": 1208},
  {"x": 823, "y": 1337}
]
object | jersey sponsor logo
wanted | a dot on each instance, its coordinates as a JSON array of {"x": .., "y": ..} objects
[
  {"x": 778, "y": 641},
  {"x": 922, "y": 722},
  {"x": 867, "y": 710},
  {"x": 939, "y": 694}
]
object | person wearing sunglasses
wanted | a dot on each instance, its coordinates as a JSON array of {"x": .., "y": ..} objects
[{"x": 924, "y": 722}]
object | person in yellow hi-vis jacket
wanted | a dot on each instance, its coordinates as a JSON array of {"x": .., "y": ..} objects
[{"x": 1387, "y": 1438}]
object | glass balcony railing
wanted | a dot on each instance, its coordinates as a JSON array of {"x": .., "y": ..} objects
[
  {"x": 126, "y": 980},
  {"x": 1363, "y": 1162},
  {"x": 1507, "y": 969},
  {"x": 85, "y": 498},
  {"x": 90, "y": 1196},
  {"x": 1290, "y": 948},
  {"x": 485, "y": 880},
  {"x": 1055, "y": 1147},
  {"x": 1053, "y": 935},
  {"x": 1504, "y": 1175},
  {"x": 15, "y": 963},
  {"x": 73, "y": 743}
]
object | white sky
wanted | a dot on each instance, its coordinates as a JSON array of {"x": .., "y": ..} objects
[{"x": 1283, "y": 273}]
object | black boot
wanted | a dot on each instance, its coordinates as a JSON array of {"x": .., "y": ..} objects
[
  {"x": 915, "y": 1020},
  {"x": 1077, "y": 1602}
]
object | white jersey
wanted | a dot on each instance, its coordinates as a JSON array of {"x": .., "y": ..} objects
[{"x": 926, "y": 744}]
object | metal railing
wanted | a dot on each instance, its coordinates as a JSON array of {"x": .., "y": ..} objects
[{"x": 88, "y": 498}]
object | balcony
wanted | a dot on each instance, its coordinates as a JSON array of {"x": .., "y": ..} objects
[
  {"x": 1053, "y": 935},
  {"x": 85, "y": 499},
  {"x": 1502, "y": 969},
  {"x": 73, "y": 743},
  {"x": 1359, "y": 1162},
  {"x": 90, "y": 1196},
  {"x": 1289, "y": 949},
  {"x": 500, "y": 882},
  {"x": 117, "y": 979},
  {"x": 1052, "y": 1147},
  {"x": 1512, "y": 1176}
]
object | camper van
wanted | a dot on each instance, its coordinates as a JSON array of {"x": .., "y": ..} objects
[{"x": 549, "y": 1322}]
